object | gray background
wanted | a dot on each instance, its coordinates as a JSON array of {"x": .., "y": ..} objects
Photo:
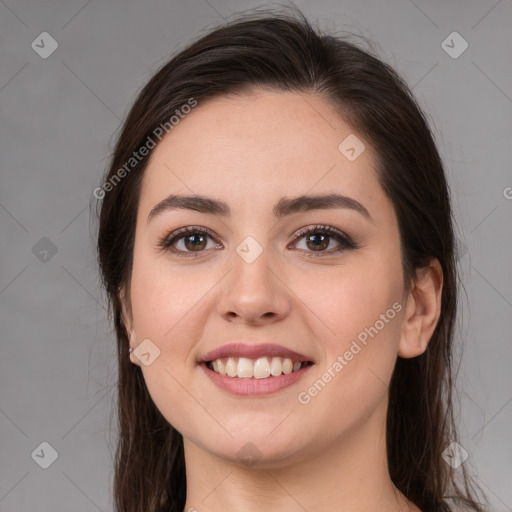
[{"x": 59, "y": 116}]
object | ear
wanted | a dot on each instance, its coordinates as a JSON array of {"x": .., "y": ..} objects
[
  {"x": 128, "y": 324},
  {"x": 422, "y": 310}
]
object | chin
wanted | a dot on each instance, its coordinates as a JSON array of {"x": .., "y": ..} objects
[{"x": 255, "y": 448}]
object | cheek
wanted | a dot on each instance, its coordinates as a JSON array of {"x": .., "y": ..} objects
[
  {"x": 164, "y": 298},
  {"x": 360, "y": 304},
  {"x": 349, "y": 298},
  {"x": 166, "y": 305}
]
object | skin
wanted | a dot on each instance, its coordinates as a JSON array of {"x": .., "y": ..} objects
[{"x": 329, "y": 454}]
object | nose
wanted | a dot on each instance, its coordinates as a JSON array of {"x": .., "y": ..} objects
[{"x": 254, "y": 293}]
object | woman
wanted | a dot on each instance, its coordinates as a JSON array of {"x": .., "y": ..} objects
[{"x": 277, "y": 246}]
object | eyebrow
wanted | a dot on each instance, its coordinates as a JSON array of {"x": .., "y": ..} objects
[{"x": 285, "y": 206}]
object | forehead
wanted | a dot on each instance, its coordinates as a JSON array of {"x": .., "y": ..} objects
[{"x": 253, "y": 148}]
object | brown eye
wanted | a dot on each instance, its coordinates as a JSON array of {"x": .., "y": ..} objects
[
  {"x": 187, "y": 241},
  {"x": 317, "y": 239},
  {"x": 195, "y": 242}
]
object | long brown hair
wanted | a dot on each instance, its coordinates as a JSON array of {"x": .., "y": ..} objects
[{"x": 282, "y": 50}]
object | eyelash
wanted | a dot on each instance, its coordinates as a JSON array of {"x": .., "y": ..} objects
[{"x": 346, "y": 243}]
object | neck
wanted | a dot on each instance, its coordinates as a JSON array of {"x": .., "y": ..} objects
[{"x": 350, "y": 474}]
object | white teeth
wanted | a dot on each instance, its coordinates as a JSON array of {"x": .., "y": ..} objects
[
  {"x": 231, "y": 367},
  {"x": 276, "y": 368},
  {"x": 245, "y": 368},
  {"x": 260, "y": 368},
  {"x": 287, "y": 366}
]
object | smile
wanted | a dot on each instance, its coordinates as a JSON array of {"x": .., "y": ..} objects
[{"x": 249, "y": 369}]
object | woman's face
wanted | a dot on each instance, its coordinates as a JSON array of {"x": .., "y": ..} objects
[{"x": 256, "y": 278}]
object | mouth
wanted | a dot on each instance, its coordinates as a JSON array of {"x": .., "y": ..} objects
[{"x": 252, "y": 370}]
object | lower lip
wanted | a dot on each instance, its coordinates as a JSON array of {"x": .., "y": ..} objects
[{"x": 251, "y": 386}]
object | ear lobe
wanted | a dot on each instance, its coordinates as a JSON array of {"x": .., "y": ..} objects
[
  {"x": 422, "y": 311},
  {"x": 412, "y": 346}
]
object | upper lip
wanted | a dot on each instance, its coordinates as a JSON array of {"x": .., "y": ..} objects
[{"x": 239, "y": 349}]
